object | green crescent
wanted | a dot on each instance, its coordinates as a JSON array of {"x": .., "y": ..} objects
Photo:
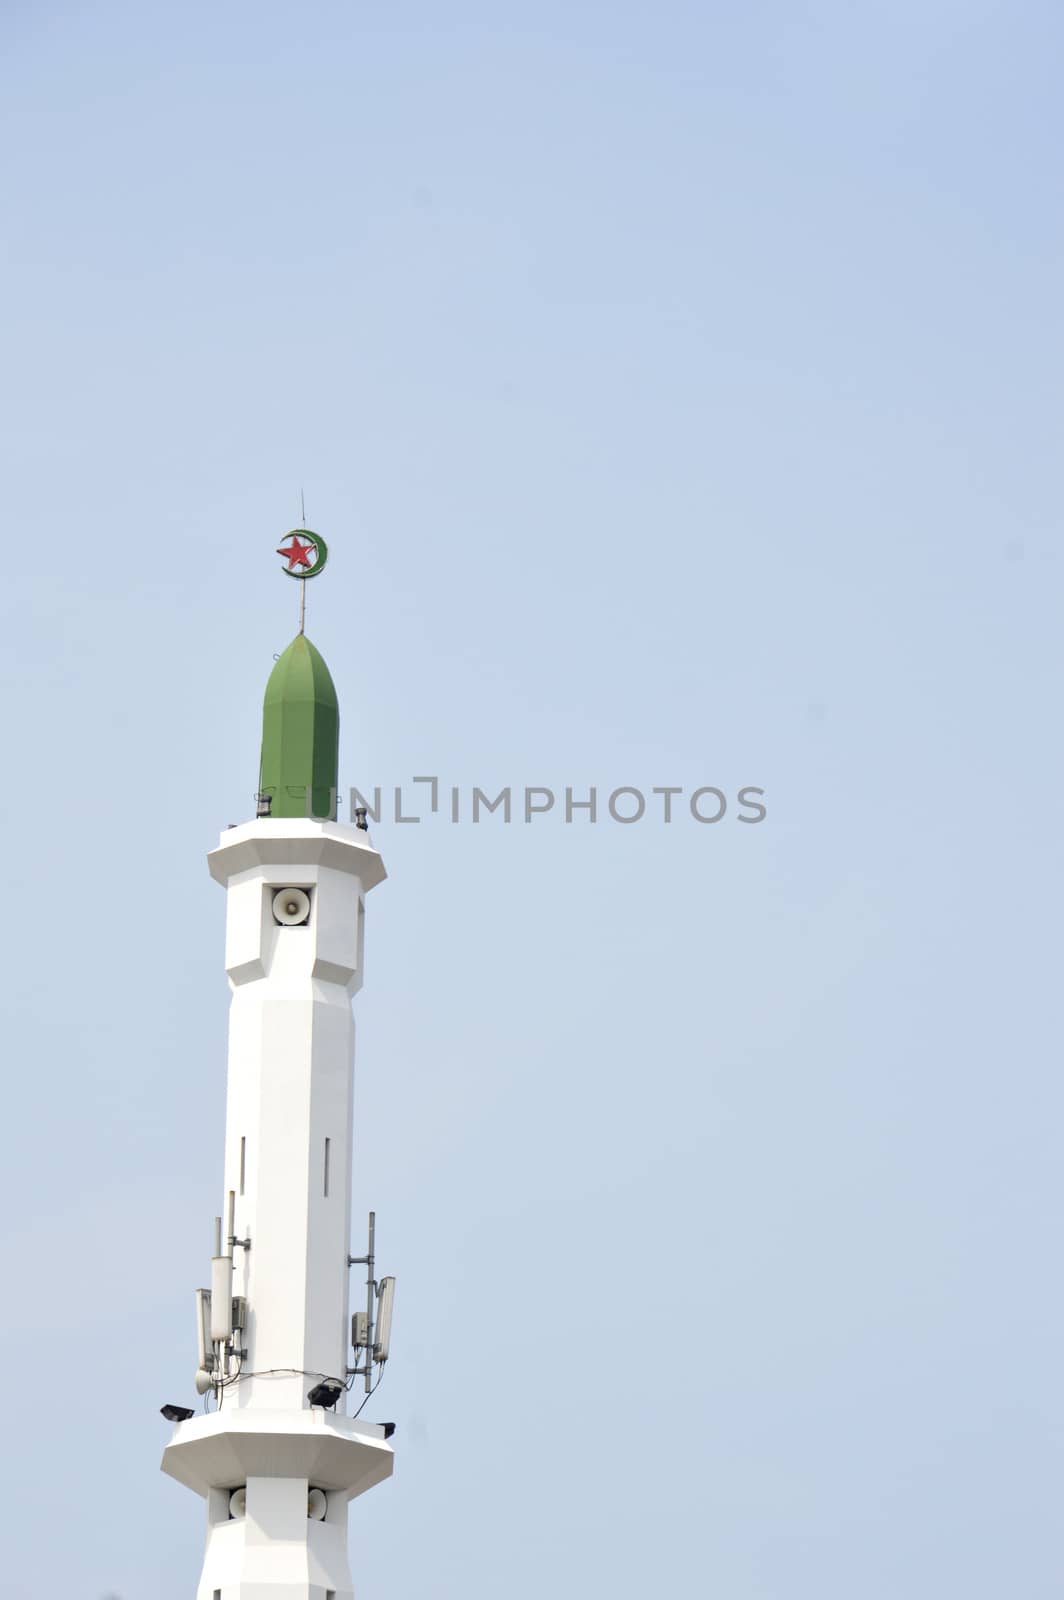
[{"x": 319, "y": 560}]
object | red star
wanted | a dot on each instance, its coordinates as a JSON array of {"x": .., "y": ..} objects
[{"x": 298, "y": 555}]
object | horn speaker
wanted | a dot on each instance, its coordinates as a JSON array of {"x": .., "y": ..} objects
[{"x": 291, "y": 907}]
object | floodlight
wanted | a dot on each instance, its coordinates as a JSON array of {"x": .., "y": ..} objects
[
  {"x": 177, "y": 1413},
  {"x": 326, "y": 1393}
]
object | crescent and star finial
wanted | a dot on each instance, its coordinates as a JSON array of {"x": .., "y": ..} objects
[{"x": 305, "y": 555}]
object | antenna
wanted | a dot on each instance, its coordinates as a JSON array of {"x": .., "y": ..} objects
[
  {"x": 221, "y": 1299},
  {"x": 382, "y": 1334},
  {"x": 370, "y": 1335},
  {"x": 203, "y": 1329},
  {"x": 370, "y": 1288}
]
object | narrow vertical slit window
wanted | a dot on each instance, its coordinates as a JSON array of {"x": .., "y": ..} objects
[
  {"x": 243, "y": 1160},
  {"x": 325, "y": 1169}
]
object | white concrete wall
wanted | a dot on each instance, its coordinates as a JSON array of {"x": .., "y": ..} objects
[
  {"x": 291, "y": 1057},
  {"x": 274, "y": 1551},
  {"x": 290, "y": 1088}
]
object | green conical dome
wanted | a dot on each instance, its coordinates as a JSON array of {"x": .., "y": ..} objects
[{"x": 300, "y": 734}]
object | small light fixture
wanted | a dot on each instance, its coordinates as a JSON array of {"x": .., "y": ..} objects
[
  {"x": 263, "y": 804},
  {"x": 360, "y": 819},
  {"x": 177, "y": 1413}
]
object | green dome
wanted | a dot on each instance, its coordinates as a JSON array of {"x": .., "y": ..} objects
[{"x": 300, "y": 734}]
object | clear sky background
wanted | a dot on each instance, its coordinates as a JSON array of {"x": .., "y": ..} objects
[{"x": 679, "y": 389}]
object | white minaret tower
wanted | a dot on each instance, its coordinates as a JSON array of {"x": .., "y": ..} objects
[{"x": 275, "y": 1456}]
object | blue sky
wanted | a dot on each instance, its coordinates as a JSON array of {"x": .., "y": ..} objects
[{"x": 679, "y": 390}]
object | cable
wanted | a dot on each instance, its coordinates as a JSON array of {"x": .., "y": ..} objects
[
  {"x": 283, "y": 1372},
  {"x": 371, "y": 1393},
  {"x": 288, "y": 1372}
]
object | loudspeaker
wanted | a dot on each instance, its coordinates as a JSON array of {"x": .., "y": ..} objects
[
  {"x": 238, "y": 1502},
  {"x": 291, "y": 907},
  {"x": 317, "y": 1505}
]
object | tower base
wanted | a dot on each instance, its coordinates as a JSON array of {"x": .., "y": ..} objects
[{"x": 271, "y": 1547}]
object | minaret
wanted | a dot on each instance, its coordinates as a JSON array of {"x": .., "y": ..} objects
[{"x": 275, "y": 1457}]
